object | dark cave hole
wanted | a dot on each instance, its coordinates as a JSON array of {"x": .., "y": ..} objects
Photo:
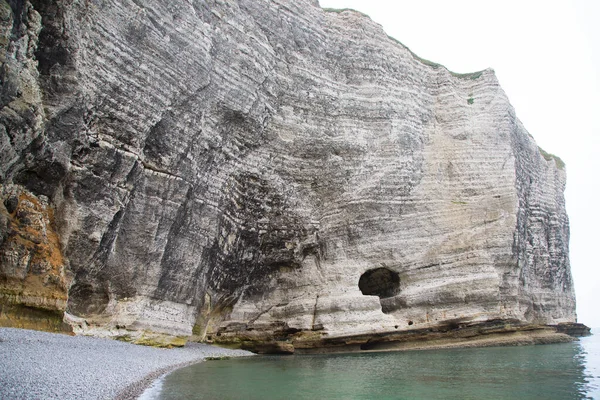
[{"x": 380, "y": 282}]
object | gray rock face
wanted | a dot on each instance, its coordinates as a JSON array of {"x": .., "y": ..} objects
[{"x": 264, "y": 169}]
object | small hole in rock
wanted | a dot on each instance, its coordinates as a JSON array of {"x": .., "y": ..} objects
[
  {"x": 368, "y": 346},
  {"x": 396, "y": 326},
  {"x": 410, "y": 322}
]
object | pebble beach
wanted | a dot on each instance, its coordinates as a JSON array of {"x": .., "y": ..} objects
[{"x": 41, "y": 365}]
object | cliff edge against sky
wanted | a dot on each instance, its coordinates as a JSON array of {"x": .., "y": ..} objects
[{"x": 263, "y": 171}]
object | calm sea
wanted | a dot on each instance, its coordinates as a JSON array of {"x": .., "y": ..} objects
[{"x": 558, "y": 371}]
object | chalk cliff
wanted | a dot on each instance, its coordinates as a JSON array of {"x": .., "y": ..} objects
[{"x": 262, "y": 170}]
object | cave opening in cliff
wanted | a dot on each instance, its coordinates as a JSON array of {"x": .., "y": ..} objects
[{"x": 381, "y": 282}]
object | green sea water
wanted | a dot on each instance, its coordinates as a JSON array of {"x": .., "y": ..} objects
[{"x": 558, "y": 371}]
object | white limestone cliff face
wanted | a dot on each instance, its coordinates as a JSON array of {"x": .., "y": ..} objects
[{"x": 234, "y": 168}]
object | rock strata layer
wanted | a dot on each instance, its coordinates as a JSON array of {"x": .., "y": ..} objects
[{"x": 265, "y": 171}]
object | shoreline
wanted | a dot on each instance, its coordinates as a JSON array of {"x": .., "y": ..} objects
[
  {"x": 134, "y": 390},
  {"x": 57, "y": 366},
  {"x": 512, "y": 339}
]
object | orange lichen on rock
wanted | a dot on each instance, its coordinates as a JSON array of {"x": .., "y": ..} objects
[
  {"x": 39, "y": 234},
  {"x": 33, "y": 274}
]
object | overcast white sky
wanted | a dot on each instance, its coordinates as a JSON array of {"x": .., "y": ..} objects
[{"x": 546, "y": 55}]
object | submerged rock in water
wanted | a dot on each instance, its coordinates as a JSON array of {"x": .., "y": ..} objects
[{"x": 263, "y": 171}]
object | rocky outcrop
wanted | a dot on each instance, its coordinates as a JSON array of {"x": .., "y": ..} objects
[{"x": 264, "y": 171}]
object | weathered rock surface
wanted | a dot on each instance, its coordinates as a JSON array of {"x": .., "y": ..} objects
[{"x": 263, "y": 170}]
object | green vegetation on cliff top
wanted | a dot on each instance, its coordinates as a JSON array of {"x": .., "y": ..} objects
[
  {"x": 559, "y": 162},
  {"x": 341, "y": 10}
]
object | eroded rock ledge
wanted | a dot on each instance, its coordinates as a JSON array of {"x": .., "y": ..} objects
[
  {"x": 206, "y": 169},
  {"x": 449, "y": 334}
]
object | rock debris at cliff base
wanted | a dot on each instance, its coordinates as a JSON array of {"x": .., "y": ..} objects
[{"x": 230, "y": 171}]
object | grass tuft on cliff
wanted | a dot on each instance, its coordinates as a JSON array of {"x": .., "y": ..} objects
[
  {"x": 469, "y": 75},
  {"x": 548, "y": 157},
  {"x": 341, "y": 10}
]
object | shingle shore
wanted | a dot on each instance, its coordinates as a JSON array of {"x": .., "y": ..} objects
[{"x": 41, "y": 365}]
